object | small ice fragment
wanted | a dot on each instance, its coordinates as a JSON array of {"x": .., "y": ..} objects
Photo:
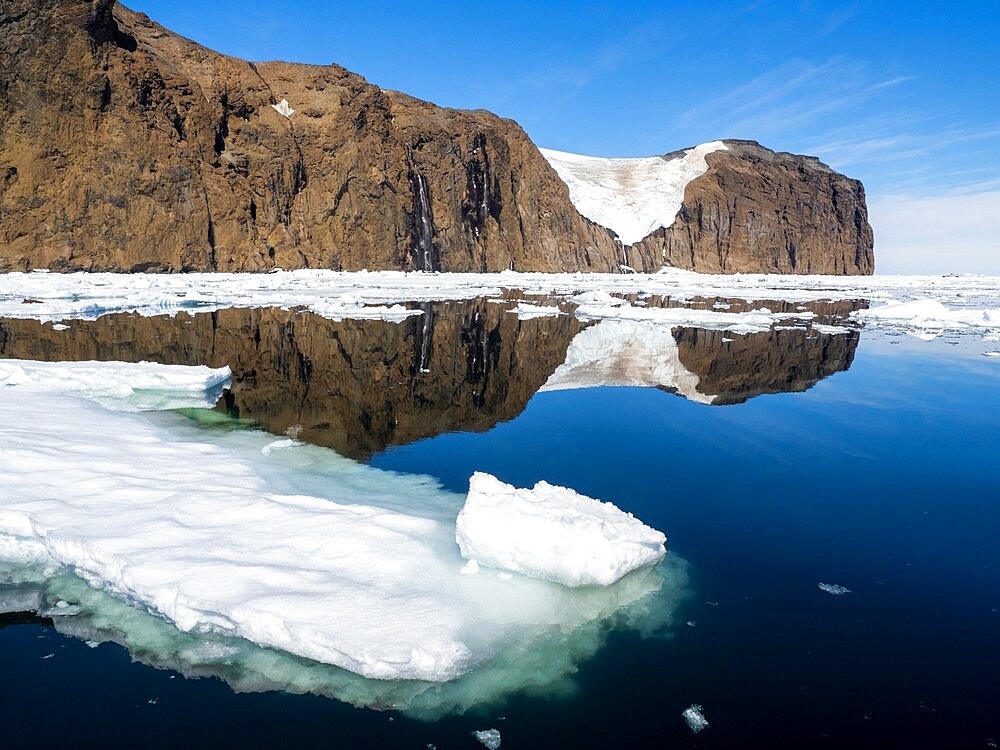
[
  {"x": 62, "y": 604},
  {"x": 832, "y": 588},
  {"x": 695, "y": 718},
  {"x": 152, "y": 701},
  {"x": 552, "y": 533},
  {"x": 48, "y": 656},
  {"x": 489, "y": 737},
  {"x": 277, "y": 445},
  {"x": 692, "y": 623},
  {"x": 470, "y": 568},
  {"x": 282, "y": 108},
  {"x": 60, "y": 327},
  {"x": 92, "y": 644},
  {"x": 991, "y": 354}
]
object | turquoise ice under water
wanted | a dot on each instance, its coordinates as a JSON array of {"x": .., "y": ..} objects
[{"x": 881, "y": 479}]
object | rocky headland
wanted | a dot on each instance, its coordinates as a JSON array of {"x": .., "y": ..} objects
[{"x": 125, "y": 147}]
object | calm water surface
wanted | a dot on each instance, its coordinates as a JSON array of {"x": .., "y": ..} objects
[{"x": 867, "y": 462}]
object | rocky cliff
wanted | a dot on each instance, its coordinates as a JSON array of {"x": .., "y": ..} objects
[
  {"x": 126, "y": 147},
  {"x": 757, "y": 211}
]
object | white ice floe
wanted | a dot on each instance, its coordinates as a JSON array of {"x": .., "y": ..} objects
[
  {"x": 927, "y": 318},
  {"x": 631, "y": 197},
  {"x": 141, "y": 386},
  {"x": 626, "y": 353},
  {"x": 489, "y": 737},
  {"x": 695, "y": 718},
  {"x": 833, "y": 588},
  {"x": 283, "y": 108},
  {"x": 526, "y": 311},
  {"x": 553, "y": 533},
  {"x": 296, "y": 550}
]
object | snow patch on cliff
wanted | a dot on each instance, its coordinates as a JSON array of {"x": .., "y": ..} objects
[{"x": 631, "y": 197}]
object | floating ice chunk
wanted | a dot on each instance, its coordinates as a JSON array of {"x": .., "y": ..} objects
[
  {"x": 283, "y": 109},
  {"x": 832, "y": 588},
  {"x": 991, "y": 354},
  {"x": 277, "y": 445},
  {"x": 553, "y": 533},
  {"x": 695, "y": 718},
  {"x": 489, "y": 737}
]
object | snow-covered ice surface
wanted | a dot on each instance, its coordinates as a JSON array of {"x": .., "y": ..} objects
[
  {"x": 631, "y": 197},
  {"x": 965, "y": 304},
  {"x": 553, "y": 533},
  {"x": 296, "y": 550},
  {"x": 141, "y": 386}
]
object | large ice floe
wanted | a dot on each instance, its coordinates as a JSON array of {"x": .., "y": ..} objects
[
  {"x": 631, "y": 197},
  {"x": 553, "y": 533},
  {"x": 202, "y": 549}
]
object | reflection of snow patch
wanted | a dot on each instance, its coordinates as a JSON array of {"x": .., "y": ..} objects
[
  {"x": 626, "y": 353},
  {"x": 553, "y": 533}
]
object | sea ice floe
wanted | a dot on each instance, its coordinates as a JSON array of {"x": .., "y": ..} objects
[
  {"x": 832, "y": 588},
  {"x": 305, "y": 552},
  {"x": 695, "y": 718},
  {"x": 930, "y": 317},
  {"x": 139, "y": 386},
  {"x": 489, "y": 737},
  {"x": 553, "y": 533}
]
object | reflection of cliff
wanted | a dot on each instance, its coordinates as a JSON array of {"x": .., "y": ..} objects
[
  {"x": 354, "y": 386},
  {"x": 734, "y": 369}
]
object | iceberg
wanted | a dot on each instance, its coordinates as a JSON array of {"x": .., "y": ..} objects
[{"x": 553, "y": 533}]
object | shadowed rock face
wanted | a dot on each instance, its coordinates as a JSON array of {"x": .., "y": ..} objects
[{"x": 124, "y": 147}]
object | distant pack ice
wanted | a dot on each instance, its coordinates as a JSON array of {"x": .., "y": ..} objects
[
  {"x": 631, "y": 197},
  {"x": 553, "y": 533}
]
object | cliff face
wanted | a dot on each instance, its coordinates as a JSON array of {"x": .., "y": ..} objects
[
  {"x": 757, "y": 211},
  {"x": 125, "y": 147}
]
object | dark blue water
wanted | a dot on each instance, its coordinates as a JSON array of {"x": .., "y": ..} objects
[{"x": 883, "y": 479}]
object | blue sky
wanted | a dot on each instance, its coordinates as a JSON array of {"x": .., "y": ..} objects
[{"x": 904, "y": 96}]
